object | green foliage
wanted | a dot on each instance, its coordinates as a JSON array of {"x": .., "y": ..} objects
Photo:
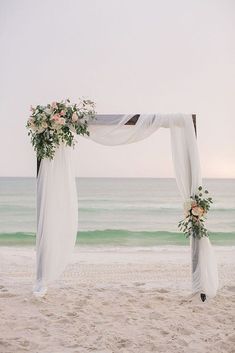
[
  {"x": 196, "y": 211},
  {"x": 57, "y": 123}
]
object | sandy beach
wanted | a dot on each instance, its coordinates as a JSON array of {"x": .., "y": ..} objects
[{"x": 112, "y": 300}]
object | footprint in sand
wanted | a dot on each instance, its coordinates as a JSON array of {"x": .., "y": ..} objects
[
  {"x": 162, "y": 290},
  {"x": 231, "y": 338},
  {"x": 63, "y": 321},
  {"x": 182, "y": 342},
  {"x": 159, "y": 297},
  {"x": 6, "y": 294},
  {"x": 24, "y": 343},
  {"x": 3, "y": 289},
  {"x": 137, "y": 284},
  {"x": 73, "y": 314},
  {"x": 164, "y": 333},
  {"x": 231, "y": 288},
  {"x": 4, "y": 343}
]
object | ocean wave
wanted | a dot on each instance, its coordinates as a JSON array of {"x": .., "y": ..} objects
[{"x": 120, "y": 237}]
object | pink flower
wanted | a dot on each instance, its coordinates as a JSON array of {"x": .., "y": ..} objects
[
  {"x": 62, "y": 113},
  {"x": 54, "y": 105},
  {"x": 55, "y": 117},
  {"x": 74, "y": 117},
  {"x": 197, "y": 211}
]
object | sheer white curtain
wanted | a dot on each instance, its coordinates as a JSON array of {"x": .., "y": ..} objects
[
  {"x": 56, "y": 191},
  {"x": 56, "y": 217},
  {"x": 188, "y": 176}
]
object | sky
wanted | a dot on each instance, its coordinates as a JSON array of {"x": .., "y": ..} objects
[{"x": 129, "y": 56}]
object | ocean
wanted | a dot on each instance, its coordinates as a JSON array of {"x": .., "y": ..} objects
[{"x": 119, "y": 211}]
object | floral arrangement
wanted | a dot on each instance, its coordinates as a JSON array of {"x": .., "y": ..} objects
[
  {"x": 195, "y": 214},
  {"x": 56, "y": 123}
]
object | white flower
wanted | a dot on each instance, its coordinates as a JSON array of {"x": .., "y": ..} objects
[
  {"x": 61, "y": 121},
  {"x": 74, "y": 117},
  {"x": 31, "y": 124},
  {"x": 44, "y": 125},
  {"x": 54, "y": 105},
  {"x": 48, "y": 111},
  {"x": 187, "y": 205},
  {"x": 43, "y": 116},
  {"x": 193, "y": 203},
  {"x": 33, "y": 127},
  {"x": 41, "y": 128}
]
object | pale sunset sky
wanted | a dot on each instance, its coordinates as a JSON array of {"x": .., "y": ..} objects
[{"x": 129, "y": 56}]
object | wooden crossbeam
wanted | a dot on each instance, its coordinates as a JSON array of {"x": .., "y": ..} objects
[{"x": 135, "y": 118}]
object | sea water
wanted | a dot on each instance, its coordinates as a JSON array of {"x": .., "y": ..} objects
[{"x": 118, "y": 211}]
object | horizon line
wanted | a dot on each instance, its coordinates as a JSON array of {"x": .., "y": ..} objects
[{"x": 113, "y": 177}]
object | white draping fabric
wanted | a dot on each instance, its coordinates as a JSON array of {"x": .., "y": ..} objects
[
  {"x": 188, "y": 176},
  {"x": 56, "y": 217},
  {"x": 57, "y": 205}
]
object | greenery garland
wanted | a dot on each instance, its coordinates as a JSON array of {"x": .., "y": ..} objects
[{"x": 57, "y": 123}]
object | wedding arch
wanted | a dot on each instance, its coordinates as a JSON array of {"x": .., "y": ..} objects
[{"x": 57, "y": 198}]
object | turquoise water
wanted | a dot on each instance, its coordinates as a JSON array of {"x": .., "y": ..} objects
[{"x": 126, "y": 211}]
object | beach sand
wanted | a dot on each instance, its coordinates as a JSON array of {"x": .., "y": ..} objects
[{"x": 112, "y": 300}]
